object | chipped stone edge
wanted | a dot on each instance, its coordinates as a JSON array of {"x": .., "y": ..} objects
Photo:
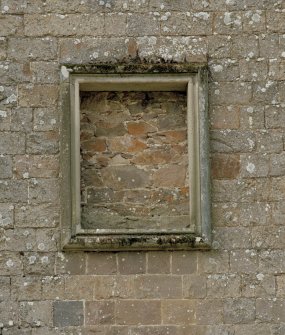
[{"x": 74, "y": 238}]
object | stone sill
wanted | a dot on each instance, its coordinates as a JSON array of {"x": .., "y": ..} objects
[{"x": 136, "y": 242}]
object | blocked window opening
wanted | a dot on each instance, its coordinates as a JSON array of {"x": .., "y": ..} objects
[
  {"x": 139, "y": 176},
  {"x": 134, "y": 161}
]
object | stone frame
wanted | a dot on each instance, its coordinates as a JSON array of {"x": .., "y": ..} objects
[{"x": 191, "y": 78}]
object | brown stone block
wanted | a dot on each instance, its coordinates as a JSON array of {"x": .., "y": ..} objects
[
  {"x": 184, "y": 262},
  {"x": 228, "y": 238},
  {"x": 213, "y": 262},
  {"x": 223, "y": 286},
  {"x": 270, "y": 310},
  {"x": 132, "y": 263},
  {"x": 225, "y": 117},
  {"x": 26, "y": 288},
  {"x": 99, "y": 312},
  {"x": 110, "y": 287},
  {"x": 240, "y": 310},
  {"x": 225, "y": 166},
  {"x": 158, "y": 262},
  {"x": 101, "y": 263},
  {"x": 125, "y": 177},
  {"x": 38, "y": 95},
  {"x": 244, "y": 261},
  {"x": 43, "y": 142},
  {"x": 178, "y": 312},
  {"x": 44, "y": 190},
  {"x": 93, "y": 145},
  {"x": 41, "y": 263},
  {"x": 45, "y": 119},
  {"x": 140, "y": 128},
  {"x": 5, "y": 288},
  {"x": 11, "y": 25},
  {"x": 40, "y": 216},
  {"x": 138, "y": 312},
  {"x": 258, "y": 285},
  {"x": 53, "y": 287},
  {"x": 35, "y": 313},
  {"x": 194, "y": 286},
  {"x": 126, "y": 144},
  {"x": 71, "y": 263},
  {"x": 170, "y": 176},
  {"x": 215, "y": 306},
  {"x": 79, "y": 287},
  {"x": 142, "y": 24},
  {"x": 157, "y": 287}
]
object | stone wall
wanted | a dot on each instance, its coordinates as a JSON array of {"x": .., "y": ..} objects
[
  {"x": 238, "y": 287},
  {"x": 134, "y": 161}
]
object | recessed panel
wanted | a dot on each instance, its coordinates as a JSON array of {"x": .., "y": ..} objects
[{"x": 134, "y": 161}]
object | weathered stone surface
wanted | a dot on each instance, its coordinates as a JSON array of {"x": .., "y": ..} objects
[
  {"x": 225, "y": 166},
  {"x": 178, "y": 312},
  {"x": 194, "y": 286},
  {"x": 63, "y": 25},
  {"x": 131, "y": 263},
  {"x": 223, "y": 286},
  {"x": 43, "y": 190},
  {"x": 101, "y": 264},
  {"x": 67, "y": 313},
  {"x": 134, "y": 312},
  {"x": 12, "y": 143},
  {"x": 141, "y": 25},
  {"x": 32, "y": 48},
  {"x": 225, "y": 117},
  {"x": 157, "y": 287},
  {"x": 184, "y": 263},
  {"x": 239, "y": 310},
  {"x": 45, "y": 119},
  {"x": 187, "y": 23},
  {"x": 233, "y": 141},
  {"x": 158, "y": 262},
  {"x": 38, "y": 95},
  {"x": 114, "y": 287},
  {"x": 11, "y": 25},
  {"x": 99, "y": 312}
]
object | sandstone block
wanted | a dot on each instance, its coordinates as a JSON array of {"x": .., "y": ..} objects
[
  {"x": 184, "y": 262},
  {"x": 158, "y": 262},
  {"x": 63, "y": 25},
  {"x": 138, "y": 312},
  {"x": 101, "y": 263},
  {"x": 225, "y": 166},
  {"x": 194, "y": 286},
  {"x": 38, "y": 95},
  {"x": 20, "y": 49},
  {"x": 115, "y": 24},
  {"x": 53, "y": 288},
  {"x": 114, "y": 287},
  {"x": 178, "y": 312},
  {"x": 244, "y": 261},
  {"x": 12, "y": 143},
  {"x": 11, "y": 25},
  {"x": 239, "y": 310},
  {"x": 157, "y": 287},
  {"x": 99, "y": 312},
  {"x": 142, "y": 24},
  {"x": 6, "y": 216},
  {"x": 5, "y": 167},
  {"x": 187, "y": 23},
  {"x": 132, "y": 263},
  {"x": 44, "y": 190}
]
